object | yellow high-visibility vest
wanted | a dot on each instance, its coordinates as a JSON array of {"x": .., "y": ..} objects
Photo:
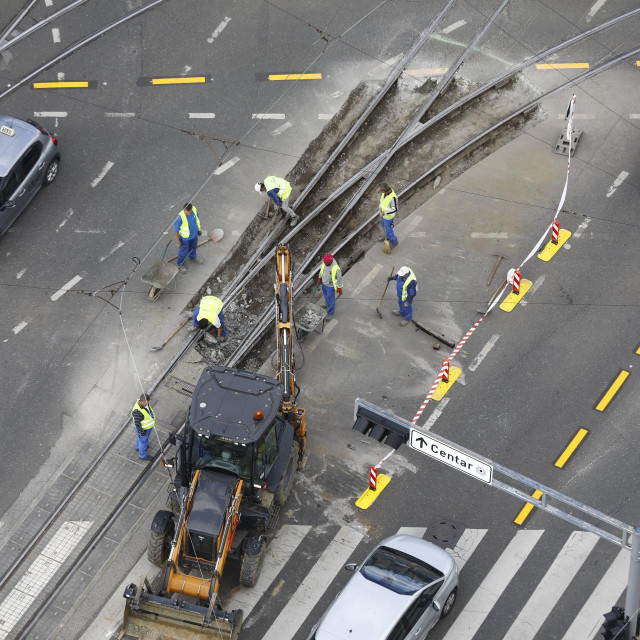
[
  {"x": 410, "y": 278},
  {"x": 149, "y": 420},
  {"x": 284, "y": 187},
  {"x": 385, "y": 201},
  {"x": 184, "y": 227},
  {"x": 334, "y": 271},
  {"x": 210, "y": 308}
]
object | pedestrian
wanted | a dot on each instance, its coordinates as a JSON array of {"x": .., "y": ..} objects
[
  {"x": 208, "y": 315},
  {"x": 406, "y": 287},
  {"x": 279, "y": 191},
  {"x": 187, "y": 229},
  {"x": 144, "y": 420},
  {"x": 388, "y": 210},
  {"x": 331, "y": 279}
]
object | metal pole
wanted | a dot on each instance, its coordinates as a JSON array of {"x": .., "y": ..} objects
[{"x": 632, "y": 602}]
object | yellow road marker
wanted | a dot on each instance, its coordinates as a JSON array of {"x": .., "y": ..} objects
[
  {"x": 638, "y": 351},
  {"x": 191, "y": 80},
  {"x": 581, "y": 434},
  {"x": 510, "y": 302},
  {"x": 551, "y": 249},
  {"x": 613, "y": 389},
  {"x": 295, "y": 76},
  {"x": 638, "y": 63},
  {"x": 443, "y": 387},
  {"x": 61, "y": 85},
  {"x": 527, "y": 509},
  {"x": 369, "y": 496},
  {"x": 426, "y": 72},
  {"x": 564, "y": 65}
]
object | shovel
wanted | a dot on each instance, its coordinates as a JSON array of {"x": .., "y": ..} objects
[
  {"x": 164, "y": 344},
  {"x": 212, "y": 236},
  {"x": 383, "y": 294}
]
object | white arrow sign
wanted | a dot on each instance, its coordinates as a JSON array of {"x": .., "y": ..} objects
[{"x": 435, "y": 448}]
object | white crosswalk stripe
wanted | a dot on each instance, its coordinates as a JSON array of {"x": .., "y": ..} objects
[{"x": 466, "y": 545}]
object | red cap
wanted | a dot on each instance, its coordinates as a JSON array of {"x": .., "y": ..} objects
[{"x": 328, "y": 258}]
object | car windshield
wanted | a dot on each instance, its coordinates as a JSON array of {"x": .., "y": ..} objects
[
  {"x": 215, "y": 453},
  {"x": 399, "y": 572}
]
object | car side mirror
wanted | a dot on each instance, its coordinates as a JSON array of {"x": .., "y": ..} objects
[
  {"x": 352, "y": 566},
  {"x": 435, "y": 605}
]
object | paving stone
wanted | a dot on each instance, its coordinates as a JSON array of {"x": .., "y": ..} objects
[
  {"x": 26, "y": 531},
  {"x": 125, "y": 522},
  {"x": 71, "y": 591},
  {"x": 56, "y": 493},
  {"x": 98, "y": 556},
  {"x": 114, "y": 475}
]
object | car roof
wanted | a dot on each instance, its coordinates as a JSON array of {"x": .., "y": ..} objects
[
  {"x": 423, "y": 550},
  {"x": 12, "y": 147}
]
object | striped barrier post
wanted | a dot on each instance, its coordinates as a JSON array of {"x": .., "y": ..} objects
[
  {"x": 516, "y": 281},
  {"x": 373, "y": 478},
  {"x": 555, "y": 230},
  {"x": 445, "y": 370}
]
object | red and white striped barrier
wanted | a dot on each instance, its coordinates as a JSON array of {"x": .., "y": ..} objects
[
  {"x": 445, "y": 370},
  {"x": 516, "y": 281},
  {"x": 555, "y": 230},
  {"x": 373, "y": 478}
]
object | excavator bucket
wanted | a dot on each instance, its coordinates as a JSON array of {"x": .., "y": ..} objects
[{"x": 151, "y": 617}]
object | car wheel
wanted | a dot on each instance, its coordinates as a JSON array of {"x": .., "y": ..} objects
[
  {"x": 449, "y": 602},
  {"x": 51, "y": 172}
]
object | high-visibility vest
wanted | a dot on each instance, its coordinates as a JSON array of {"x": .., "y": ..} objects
[
  {"x": 284, "y": 187},
  {"x": 210, "y": 308},
  {"x": 410, "y": 278},
  {"x": 385, "y": 201},
  {"x": 184, "y": 227},
  {"x": 149, "y": 420},
  {"x": 334, "y": 271}
]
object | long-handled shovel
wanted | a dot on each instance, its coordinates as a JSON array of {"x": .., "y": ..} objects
[
  {"x": 212, "y": 236},
  {"x": 383, "y": 293},
  {"x": 164, "y": 344}
]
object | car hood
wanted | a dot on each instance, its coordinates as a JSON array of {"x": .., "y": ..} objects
[{"x": 363, "y": 609}]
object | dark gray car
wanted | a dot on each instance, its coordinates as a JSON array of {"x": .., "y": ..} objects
[{"x": 29, "y": 159}]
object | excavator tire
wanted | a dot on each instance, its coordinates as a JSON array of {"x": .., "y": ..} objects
[
  {"x": 251, "y": 566},
  {"x": 159, "y": 545},
  {"x": 288, "y": 477}
]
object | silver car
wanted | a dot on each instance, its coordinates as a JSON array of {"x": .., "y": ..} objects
[
  {"x": 404, "y": 586},
  {"x": 29, "y": 159}
]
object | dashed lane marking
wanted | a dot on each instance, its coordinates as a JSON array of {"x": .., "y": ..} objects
[
  {"x": 50, "y": 114},
  {"x": 55, "y": 32},
  {"x": 202, "y": 116},
  {"x": 527, "y": 509},
  {"x": 367, "y": 280},
  {"x": 60, "y": 292},
  {"x": 580, "y": 435},
  {"x": 595, "y": 8},
  {"x": 616, "y": 183},
  {"x": 484, "y": 352},
  {"x": 538, "y": 283},
  {"x": 564, "y": 65},
  {"x": 454, "y": 26},
  {"x": 583, "y": 225},
  {"x": 281, "y": 129},
  {"x": 634, "y": 116},
  {"x": 225, "y": 166},
  {"x": 288, "y": 76},
  {"x": 419, "y": 73},
  {"x": 119, "y": 114},
  {"x": 218, "y": 30},
  {"x": 117, "y": 246},
  {"x": 268, "y": 116},
  {"x": 436, "y": 413},
  {"x": 20, "y": 273},
  {"x": 19, "y": 327},
  {"x": 613, "y": 389},
  {"x": 96, "y": 181},
  {"x": 48, "y": 3},
  {"x": 325, "y": 116},
  {"x": 66, "y": 219},
  {"x": 498, "y": 235},
  {"x": 74, "y": 84}
]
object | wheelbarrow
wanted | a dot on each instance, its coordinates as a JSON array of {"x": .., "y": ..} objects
[
  {"x": 159, "y": 276},
  {"x": 309, "y": 317}
]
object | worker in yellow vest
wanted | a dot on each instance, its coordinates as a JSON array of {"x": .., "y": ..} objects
[
  {"x": 187, "y": 229},
  {"x": 388, "y": 210},
  {"x": 144, "y": 420},
  {"x": 407, "y": 289},
  {"x": 330, "y": 277},
  {"x": 208, "y": 314},
  {"x": 279, "y": 191}
]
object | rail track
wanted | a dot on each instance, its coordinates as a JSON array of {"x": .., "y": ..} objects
[{"x": 337, "y": 232}]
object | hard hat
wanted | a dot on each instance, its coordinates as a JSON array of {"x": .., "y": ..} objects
[
  {"x": 328, "y": 258},
  {"x": 258, "y": 187},
  {"x": 403, "y": 271}
]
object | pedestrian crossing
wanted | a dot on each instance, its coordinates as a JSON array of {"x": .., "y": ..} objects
[{"x": 284, "y": 605}]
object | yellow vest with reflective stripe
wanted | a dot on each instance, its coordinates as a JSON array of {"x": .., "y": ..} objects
[
  {"x": 410, "y": 278},
  {"x": 210, "y": 308},
  {"x": 284, "y": 187},
  {"x": 149, "y": 421},
  {"x": 334, "y": 270},
  {"x": 385, "y": 201},
  {"x": 184, "y": 227}
]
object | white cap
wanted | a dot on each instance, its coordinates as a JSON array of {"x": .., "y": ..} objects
[
  {"x": 403, "y": 271},
  {"x": 258, "y": 187}
]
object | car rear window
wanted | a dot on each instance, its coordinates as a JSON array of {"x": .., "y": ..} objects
[{"x": 399, "y": 572}]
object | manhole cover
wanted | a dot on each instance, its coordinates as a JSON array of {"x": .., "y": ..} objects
[{"x": 444, "y": 533}]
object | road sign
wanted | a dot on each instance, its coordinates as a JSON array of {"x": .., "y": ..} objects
[{"x": 435, "y": 448}]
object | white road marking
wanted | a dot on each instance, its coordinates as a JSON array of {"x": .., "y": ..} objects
[
  {"x": 267, "y": 116},
  {"x": 314, "y": 585},
  {"x": 566, "y": 246},
  {"x": 218, "y": 30},
  {"x": 50, "y": 114},
  {"x": 609, "y": 589},
  {"x": 118, "y": 114},
  {"x": 634, "y": 116},
  {"x": 202, "y": 115},
  {"x": 60, "y": 76},
  {"x": 583, "y": 225},
  {"x": 454, "y": 26},
  {"x": 40, "y": 572},
  {"x": 616, "y": 183},
  {"x": 409, "y": 226},
  {"x": 484, "y": 352},
  {"x": 578, "y": 116},
  {"x": 278, "y": 553},
  {"x": 55, "y": 32},
  {"x": 418, "y": 234},
  {"x": 336, "y": 94},
  {"x": 418, "y": 532},
  {"x": 186, "y": 69},
  {"x": 325, "y": 116},
  {"x": 281, "y": 129},
  {"x": 328, "y": 328},
  {"x": 537, "y": 284},
  {"x": 20, "y": 274},
  {"x": 235, "y": 233},
  {"x": 385, "y": 66},
  {"x": 89, "y": 231},
  {"x": 596, "y": 7},
  {"x": 497, "y": 580},
  {"x": 19, "y": 327},
  {"x": 60, "y": 292},
  {"x": 48, "y": 3},
  {"x": 466, "y": 545},
  {"x": 436, "y": 413},
  {"x": 367, "y": 279},
  {"x": 117, "y": 246},
  {"x": 102, "y": 174},
  {"x": 225, "y": 166},
  {"x": 549, "y": 590},
  {"x": 500, "y": 235}
]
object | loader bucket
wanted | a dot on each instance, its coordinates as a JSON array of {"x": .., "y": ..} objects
[{"x": 151, "y": 617}]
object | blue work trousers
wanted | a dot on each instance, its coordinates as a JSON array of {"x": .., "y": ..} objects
[
  {"x": 142, "y": 443},
  {"x": 387, "y": 226},
  {"x": 406, "y": 308},
  {"x": 196, "y": 311},
  {"x": 330, "y": 298},
  {"x": 187, "y": 248}
]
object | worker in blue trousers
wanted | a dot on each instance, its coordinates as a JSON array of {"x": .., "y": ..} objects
[
  {"x": 144, "y": 420},
  {"x": 407, "y": 288},
  {"x": 208, "y": 315},
  {"x": 279, "y": 190},
  {"x": 331, "y": 278},
  {"x": 388, "y": 210},
  {"x": 187, "y": 229}
]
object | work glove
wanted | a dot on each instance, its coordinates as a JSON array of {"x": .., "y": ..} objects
[
  {"x": 319, "y": 280},
  {"x": 199, "y": 233},
  {"x": 390, "y": 278},
  {"x": 339, "y": 291},
  {"x": 406, "y": 305}
]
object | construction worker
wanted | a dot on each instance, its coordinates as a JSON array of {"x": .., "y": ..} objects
[
  {"x": 208, "y": 315},
  {"x": 388, "y": 210},
  {"x": 331, "y": 278},
  {"x": 407, "y": 287},
  {"x": 187, "y": 229},
  {"x": 144, "y": 420},
  {"x": 279, "y": 191}
]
